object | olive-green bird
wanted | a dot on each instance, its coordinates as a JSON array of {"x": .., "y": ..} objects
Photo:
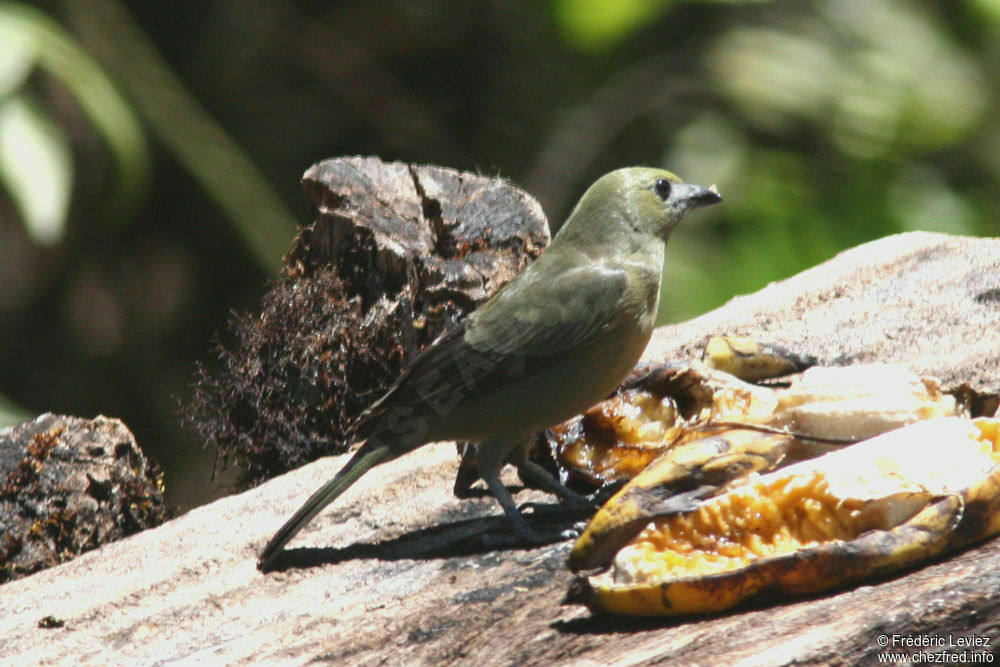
[{"x": 553, "y": 342}]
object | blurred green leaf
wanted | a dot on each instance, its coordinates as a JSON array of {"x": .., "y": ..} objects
[
  {"x": 597, "y": 25},
  {"x": 11, "y": 413},
  {"x": 921, "y": 199},
  {"x": 772, "y": 75},
  {"x": 17, "y": 57},
  {"x": 882, "y": 78},
  {"x": 56, "y": 52},
  {"x": 36, "y": 168},
  {"x": 684, "y": 292},
  {"x": 594, "y": 25},
  {"x": 987, "y": 9}
]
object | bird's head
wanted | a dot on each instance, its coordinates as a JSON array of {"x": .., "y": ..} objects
[{"x": 641, "y": 199}]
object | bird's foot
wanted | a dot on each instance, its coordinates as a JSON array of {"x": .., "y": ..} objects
[{"x": 520, "y": 536}]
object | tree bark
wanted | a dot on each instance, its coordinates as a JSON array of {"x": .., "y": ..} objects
[{"x": 68, "y": 485}]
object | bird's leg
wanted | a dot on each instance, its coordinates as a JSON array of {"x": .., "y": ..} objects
[
  {"x": 540, "y": 476},
  {"x": 489, "y": 460}
]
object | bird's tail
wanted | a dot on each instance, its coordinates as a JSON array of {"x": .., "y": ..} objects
[{"x": 372, "y": 453}]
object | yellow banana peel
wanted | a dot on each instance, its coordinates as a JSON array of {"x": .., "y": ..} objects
[{"x": 861, "y": 511}]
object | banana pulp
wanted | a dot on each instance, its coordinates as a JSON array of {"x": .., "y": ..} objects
[{"x": 864, "y": 510}]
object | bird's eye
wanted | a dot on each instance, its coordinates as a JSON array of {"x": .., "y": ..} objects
[{"x": 662, "y": 189}]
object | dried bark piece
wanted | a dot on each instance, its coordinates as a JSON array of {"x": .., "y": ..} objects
[
  {"x": 396, "y": 253},
  {"x": 69, "y": 485}
]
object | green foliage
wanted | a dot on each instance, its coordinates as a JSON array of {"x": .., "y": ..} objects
[
  {"x": 597, "y": 24},
  {"x": 879, "y": 77},
  {"x": 824, "y": 124},
  {"x": 35, "y": 161},
  {"x": 841, "y": 123},
  {"x": 35, "y": 167}
]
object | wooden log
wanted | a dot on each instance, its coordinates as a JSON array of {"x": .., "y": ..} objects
[{"x": 392, "y": 573}]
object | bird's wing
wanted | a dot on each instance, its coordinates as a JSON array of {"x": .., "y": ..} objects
[
  {"x": 526, "y": 326},
  {"x": 544, "y": 315}
]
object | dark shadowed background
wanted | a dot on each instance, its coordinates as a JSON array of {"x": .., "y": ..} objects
[{"x": 150, "y": 152}]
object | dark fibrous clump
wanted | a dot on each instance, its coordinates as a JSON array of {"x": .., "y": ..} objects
[{"x": 299, "y": 375}]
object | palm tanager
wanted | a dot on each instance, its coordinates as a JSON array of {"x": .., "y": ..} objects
[{"x": 551, "y": 343}]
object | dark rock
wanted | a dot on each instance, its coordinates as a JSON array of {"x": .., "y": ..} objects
[{"x": 69, "y": 485}]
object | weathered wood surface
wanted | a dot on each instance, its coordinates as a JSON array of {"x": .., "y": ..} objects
[
  {"x": 375, "y": 579},
  {"x": 929, "y": 301}
]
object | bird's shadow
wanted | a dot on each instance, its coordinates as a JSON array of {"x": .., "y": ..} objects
[{"x": 464, "y": 537}]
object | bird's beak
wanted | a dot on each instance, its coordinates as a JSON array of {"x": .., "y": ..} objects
[{"x": 700, "y": 196}]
